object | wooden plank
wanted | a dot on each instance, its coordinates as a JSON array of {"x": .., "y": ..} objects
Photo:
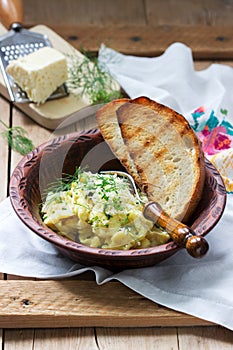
[
  {"x": 86, "y": 339},
  {"x": 3, "y": 149},
  {"x": 3, "y": 154},
  {"x": 39, "y": 135},
  {"x": 18, "y": 339},
  {"x": 99, "y": 12},
  {"x": 44, "y": 339},
  {"x": 73, "y": 303},
  {"x": 137, "y": 338},
  {"x": 206, "y": 43},
  {"x": 68, "y": 339},
  {"x": 186, "y": 12},
  {"x": 203, "y": 338},
  {"x": 36, "y": 134},
  {"x": 4, "y": 168},
  {"x": 1, "y": 339},
  {"x": 121, "y": 12},
  {"x": 139, "y": 27}
]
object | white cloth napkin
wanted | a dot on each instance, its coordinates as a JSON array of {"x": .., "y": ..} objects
[
  {"x": 202, "y": 288},
  {"x": 171, "y": 79}
]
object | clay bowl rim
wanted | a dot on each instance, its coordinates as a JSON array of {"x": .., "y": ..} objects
[{"x": 16, "y": 189}]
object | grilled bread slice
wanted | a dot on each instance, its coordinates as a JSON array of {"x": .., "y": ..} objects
[
  {"x": 108, "y": 124},
  {"x": 166, "y": 153}
]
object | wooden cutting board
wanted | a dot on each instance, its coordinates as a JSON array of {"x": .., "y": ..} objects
[{"x": 54, "y": 113}]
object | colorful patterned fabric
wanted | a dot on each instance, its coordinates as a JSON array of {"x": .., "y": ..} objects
[{"x": 216, "y": 135}]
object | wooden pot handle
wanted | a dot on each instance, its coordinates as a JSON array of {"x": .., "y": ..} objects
[
  {"x": 181, "y": 234},
  {"x": 11, "y": 11}
]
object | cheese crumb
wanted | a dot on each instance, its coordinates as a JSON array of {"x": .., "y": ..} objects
[{"x": 40, "y": 73}]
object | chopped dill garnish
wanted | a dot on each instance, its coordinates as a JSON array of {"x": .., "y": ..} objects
[{"x": 82, "y": 180}]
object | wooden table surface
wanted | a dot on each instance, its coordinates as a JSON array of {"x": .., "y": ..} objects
[{"x": 130, "y": 322}]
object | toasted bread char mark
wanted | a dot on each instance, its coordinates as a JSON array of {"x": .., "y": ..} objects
[
  {"x": 148, "y": 142},
  {"x": 166, "y": 153},
  {"x": 109, "y": 127}
]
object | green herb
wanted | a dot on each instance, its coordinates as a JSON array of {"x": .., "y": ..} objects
[
  {"x": 104, "y": 184},
  {"x": 64, "y": 183},
  {"x": 126, "y": 219},
  {"x": 95, "y": 220},
  {"x": 89, "y": 79},
  {"x": 117, "y": 203},
  {"x": 82, "y": 205},
  {"x": 17, "y": 140}
]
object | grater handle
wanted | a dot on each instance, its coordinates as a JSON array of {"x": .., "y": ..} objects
[{"x": 11, "y": 11}]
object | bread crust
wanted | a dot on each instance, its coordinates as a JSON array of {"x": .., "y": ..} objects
[
  {"x": 108, "y": 124},
  {"x": 163, "y": 147}
]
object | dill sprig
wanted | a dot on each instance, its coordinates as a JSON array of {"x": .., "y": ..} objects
[
  {"x": 85, "y": 77},
  {"x": 17, "y": 139},
  {"x": 63, "y": 183}
]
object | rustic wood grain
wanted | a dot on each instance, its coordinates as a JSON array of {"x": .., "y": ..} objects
[
  {"x": 120, "y": 12},
  {"x": 203, "y": 338},
  {"x": 188, "y": 12},
  {"x": 18, "y": 339},
  {"x": 46, "y": 339},
  {"x": 73, "y": 12},
  {"x": 3, "y": 154},
  {"x": 181, "y": 338},
  {"x": 139, "y": 27},
  {"x": 148, "y": 339},
  {"x": 81, "y": 303},
  {"x": 67, "y": 339},
  {"x": 3, "y": 164},
  {"x": 3, "y": 149},
  {"x": 206, "y": 43},
  {"x": 37, "y": 134}
]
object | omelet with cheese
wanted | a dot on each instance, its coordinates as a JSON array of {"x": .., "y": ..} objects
[{"x": 99, "y": 210}]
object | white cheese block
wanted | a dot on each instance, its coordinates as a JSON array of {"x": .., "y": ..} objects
[{"x": 40, "y": 73}]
